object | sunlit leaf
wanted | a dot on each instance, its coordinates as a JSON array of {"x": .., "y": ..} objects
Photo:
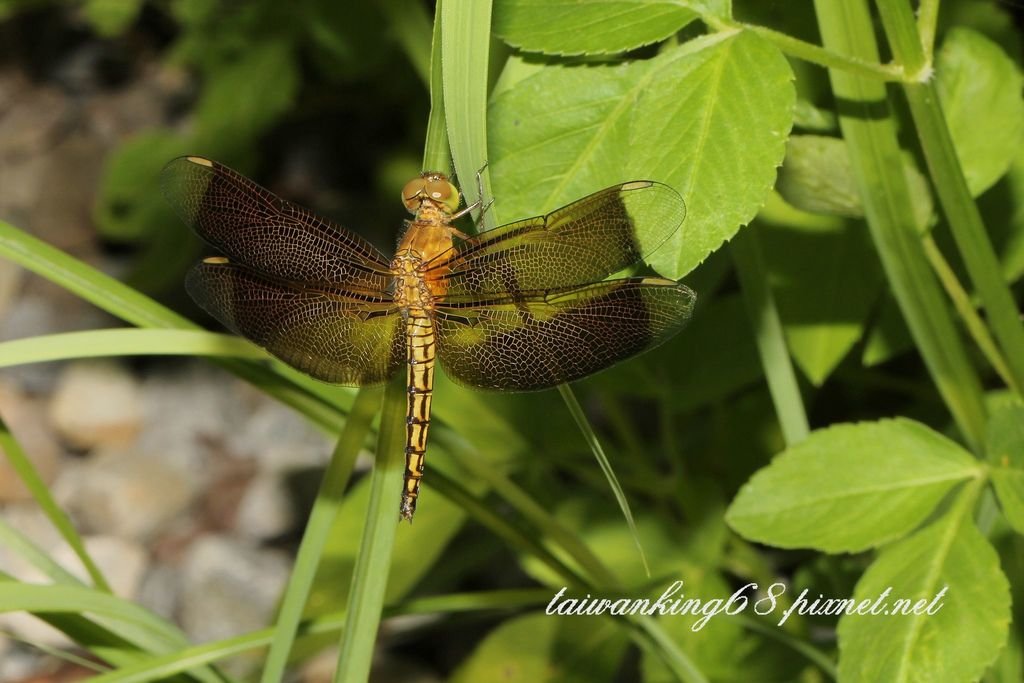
[
  {"x": 851, "y": 486},
  {"x": 966, "y": 627},
  {"x": 980, "y": 90},
  {"x": 567, "y": 27},
  {"x": 682, "y": 118},
  {"x": 1005, "y": 447}
]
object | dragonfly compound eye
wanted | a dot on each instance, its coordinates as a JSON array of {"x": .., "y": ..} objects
[
  {"x": 441, "y": 190},
  {"x": 413, "y": 193}
]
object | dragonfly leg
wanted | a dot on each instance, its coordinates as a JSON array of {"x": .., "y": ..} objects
[{"x": 479, "y": 203}]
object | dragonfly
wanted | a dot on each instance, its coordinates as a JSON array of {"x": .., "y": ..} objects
[{"x": 521, "y": 307}]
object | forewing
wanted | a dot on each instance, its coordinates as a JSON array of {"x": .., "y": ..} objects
[
  {"x": 577, "y": 244},
  {"x": 327, "y": 334},
  {"x": 253, "y": 226},
  {"x": 537, "y": 340}
]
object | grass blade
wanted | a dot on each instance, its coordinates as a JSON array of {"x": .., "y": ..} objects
[
  {"x": 436, "y": 151},
  {"x": 325, "y": 509},
  {"x": 595, "y": 447},
  {"x": 871, "y": 138},
  {"x": 771, "y": 340},
  {"x": 465, "y": 48},
  {"x": 122, "y": 301},
  {"x": 125, "y": 342},
  {"x": 373, "y": 564},
  {"x": 29, "y": 476},
  {"x": 962, "y": 213}
]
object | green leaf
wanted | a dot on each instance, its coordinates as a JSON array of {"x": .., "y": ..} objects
[
  {"x": 714, "y": 643},
  {"x": 682, "y": 118},
  {"x": 980, "y": 91},
  {"x": 241, "y": 99},
  {"x": 806, "y": 116},
  {"x": 365, "y": 605},
  {"x": 889, "y": 336},
  {"x": 850, "y": 487},
  {"x": 111, "y": 17},
  {"x": 817, "y": 177},
  {"x": 149, "y": 631},
  {"x": 1005, "y": 448},
  {"x": 826, "y": 278},
  {"x": 569, "y": 27},
  {"x": 970, "y": 620},
  {"x": 130, "y": 204},
  {"x": 541, "y": 648}
]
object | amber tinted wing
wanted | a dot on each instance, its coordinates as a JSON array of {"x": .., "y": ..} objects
[
  {"x": 329, "y": 334},
  {"x": 253, "y": 226},
  {"x": 539, "y": 339},
  {"x": 580, "y": 243}
]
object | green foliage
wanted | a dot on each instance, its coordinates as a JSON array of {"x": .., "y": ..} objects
[
  {"x": 571, "y": 28},
  {"x": 111, "y": 17},
  {"x": 536, "y": 647},
  {"x": 979, "y": 86},
  {"x": 1005, "y": 449},
  {"x": 955, "y": 643},
  {"x": 909, "y": 465},
  {"x": 680, "y": 118},
  {"x": 851, "y": 487},
  {"x": 826, "y": 280}
]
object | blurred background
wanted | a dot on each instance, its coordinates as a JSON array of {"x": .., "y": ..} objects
[{"x": 189, "y": 485}]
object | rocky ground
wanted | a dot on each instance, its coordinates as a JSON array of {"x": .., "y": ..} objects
[{"x": 179, "y": 476}]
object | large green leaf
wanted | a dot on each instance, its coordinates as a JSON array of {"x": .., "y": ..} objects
[
  {"x": 570, "y": 27},
  {"x": 683, "y": 118},
  {"x": 969, "y": 623},
  {"x": 980, "y": 90},
  {"x": 851, "y": 486}
]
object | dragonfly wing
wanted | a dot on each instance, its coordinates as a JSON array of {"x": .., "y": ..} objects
[
  {"x": 332, "y": 335},
  {"x": 540, "y": 339},
  {"x": 579, "y": 243},
  {"x": 251, "y": 225}
]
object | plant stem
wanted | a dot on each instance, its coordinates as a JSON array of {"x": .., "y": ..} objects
[
  {"x": 770, "y": 337},
  {"x": 927, "y": 18},
  {"x": 972, "y": 321},
  {"x": 576, "y": 410},
  {"x": 870, "y": 134},
  {"x": 961, "y": 212},
  {"x": 815, "y": 54}
]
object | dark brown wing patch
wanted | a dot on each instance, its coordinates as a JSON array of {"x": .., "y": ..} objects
[
  {"x": 253, "y": 226},
  {"x": 540, "y": 339},
  {"x": 332, "y": 335},
  {"x": 580, "y": 243}
]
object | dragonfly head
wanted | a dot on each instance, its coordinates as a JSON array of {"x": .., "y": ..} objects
[{"x": 430, "y": 186}]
